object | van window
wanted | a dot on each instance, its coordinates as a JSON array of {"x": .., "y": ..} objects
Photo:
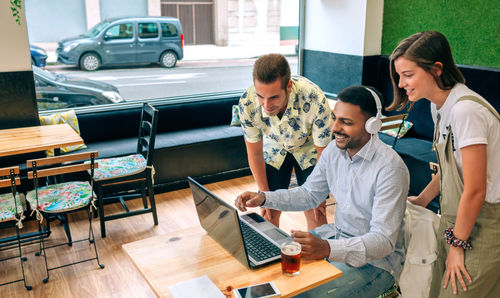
[
  {"x": 120, "y": 31},
  {"x": 148, "y": 30},
  {"x": 96, "y": 29},
  {"x": 168, "y": 30}
]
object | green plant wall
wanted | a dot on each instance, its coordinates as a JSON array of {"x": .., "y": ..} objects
[{"x": 471, "y": 26}]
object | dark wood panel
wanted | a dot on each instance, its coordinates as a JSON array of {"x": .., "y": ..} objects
[
  {"x": 204, "y": 24},
  {"x": 18, "y": 106},
  {"x": 189, "y": 1},
  {"x": 186, "y": 17},
  {"x": 169, "y": 10},
  {"x": 196, "y": 19}
]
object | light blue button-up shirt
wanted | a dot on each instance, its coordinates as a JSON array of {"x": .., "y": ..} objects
[{"x": 371, "y": 191}]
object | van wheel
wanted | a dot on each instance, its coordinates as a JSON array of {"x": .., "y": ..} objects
[
  {"x": 90, "y": 62},
  {"x": 168, "y": 59}
]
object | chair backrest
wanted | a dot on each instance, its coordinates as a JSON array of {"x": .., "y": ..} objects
[
  {"x": 391, "y": 122},
  {"x": 387, "y": 125},
  {"x": 8, "y": 177},
  {"x": 58, "y": 165},
  {"x": 147, "y": 132}
]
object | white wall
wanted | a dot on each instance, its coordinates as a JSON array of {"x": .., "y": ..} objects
[
  {"x": 92, "y": 12},
  {"x": 123, "y": 8},
  {"x": 351, "y": 27},
  {"x": 15, "y": 50},
  {"x": 54, "y": 20},
  {"x": 289, "y": 15}
]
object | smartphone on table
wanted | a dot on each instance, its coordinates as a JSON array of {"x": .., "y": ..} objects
[{"x": 267, "y": 289}]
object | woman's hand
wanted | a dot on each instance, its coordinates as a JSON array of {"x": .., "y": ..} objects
[
  {"x": 455, "y": 267},
  {"x": 416, "y": 201}
]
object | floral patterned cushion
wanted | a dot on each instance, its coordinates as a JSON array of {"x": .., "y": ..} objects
[
  {"x": 61, "y": 118},
  {"x": 61, "y": 197},
  {"x": 8, "y": 208},
  {"x": 119, "y": 166}
]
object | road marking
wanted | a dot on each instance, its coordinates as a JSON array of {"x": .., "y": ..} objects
[
  {"x": 109, "y": 78},
  {"x": 155, "y": 77},
  {"x": 149, "y": 83}
]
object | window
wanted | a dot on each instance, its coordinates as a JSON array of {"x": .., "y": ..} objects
[
  {"x": 148, "y": 30},
  {"x": 121, "y": 31},
  {"x": 168, "y": 30},
  {"x": 96, "y": 29},
  {"x": 187, "y": 53}
]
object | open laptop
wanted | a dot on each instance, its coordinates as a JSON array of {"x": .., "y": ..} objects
[{"x": 249, "y": 238}]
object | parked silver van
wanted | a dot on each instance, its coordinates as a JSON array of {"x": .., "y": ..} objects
[{"x": 125, "y": 41}]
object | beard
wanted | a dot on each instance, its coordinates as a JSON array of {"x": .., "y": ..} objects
[{"x": 345, "y": 141}]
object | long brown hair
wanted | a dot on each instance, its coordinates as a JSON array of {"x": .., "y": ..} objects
[{"x": 425, "y": 49}]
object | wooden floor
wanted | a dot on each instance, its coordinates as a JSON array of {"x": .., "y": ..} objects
[{"x": 119, "y": 278}]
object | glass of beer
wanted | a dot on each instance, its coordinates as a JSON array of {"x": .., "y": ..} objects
[{"x": 290, "y": 258}]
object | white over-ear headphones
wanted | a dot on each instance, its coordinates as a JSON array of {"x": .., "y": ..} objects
[{"x": 373, "y": 124}]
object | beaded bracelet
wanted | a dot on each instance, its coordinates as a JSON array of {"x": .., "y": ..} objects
[{"x": 454, "y": 241}]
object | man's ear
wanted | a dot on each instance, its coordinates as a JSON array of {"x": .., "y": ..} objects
[{"x": 289, "y": 86}]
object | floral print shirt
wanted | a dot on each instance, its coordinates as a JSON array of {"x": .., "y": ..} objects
[{"x": 305, "y": 123}]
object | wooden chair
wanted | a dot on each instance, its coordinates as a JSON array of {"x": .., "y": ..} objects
[
  {"x": 11, "y": 213},
  {"x": 396, "y": 121},
  {"x": 129, "y": 177},
  {"x": 64, "y": 197}
]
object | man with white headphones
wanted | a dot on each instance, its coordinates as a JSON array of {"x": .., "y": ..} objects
[{"x": 370, "y": 184}]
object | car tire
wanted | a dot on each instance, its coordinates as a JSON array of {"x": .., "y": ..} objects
[
  {"x": 90, "y": 62},
  {"x": 168, "y": 59}
]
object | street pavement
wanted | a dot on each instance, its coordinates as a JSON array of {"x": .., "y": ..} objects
[{"x": 205, "y": 52}]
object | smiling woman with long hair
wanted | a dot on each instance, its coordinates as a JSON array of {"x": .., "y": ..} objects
[{"x": 467, "y": 142}]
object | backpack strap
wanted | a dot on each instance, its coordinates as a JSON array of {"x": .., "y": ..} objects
[{"x": 481, "y": 102}]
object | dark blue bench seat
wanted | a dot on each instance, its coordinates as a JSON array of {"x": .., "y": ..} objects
[{"x": 193, "y": 138}]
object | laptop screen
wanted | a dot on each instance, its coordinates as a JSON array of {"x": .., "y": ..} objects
[{"x": 220, "y": 220}]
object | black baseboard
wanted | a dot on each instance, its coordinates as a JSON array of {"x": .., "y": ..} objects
[
  {"x": 332, "y": 72},
  {"x": 18, "y": 106}
]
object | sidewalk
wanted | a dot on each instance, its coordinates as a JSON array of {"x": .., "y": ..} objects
[{"x": 204, "y": 52}]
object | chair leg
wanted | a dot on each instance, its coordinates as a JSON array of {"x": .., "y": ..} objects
[
  {"x": 92, "y": 238},
  {"x": 21, "y": 260},
  {"x": 42, "y": 250},
  {"x": 144, "y": 195},
  {"x": 152, "y": 200},
  {"x": 96, "y": 212},
  {"x": 65, "y": 222},
  {"x": 42, "y": 231},
  {"x": 100, "y": 202}
]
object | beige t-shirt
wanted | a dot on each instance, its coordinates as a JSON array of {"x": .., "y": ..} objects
[{"x": 472, "y": 123}]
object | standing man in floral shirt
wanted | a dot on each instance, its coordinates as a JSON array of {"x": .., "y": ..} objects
[{"x": 286, "y": 124}]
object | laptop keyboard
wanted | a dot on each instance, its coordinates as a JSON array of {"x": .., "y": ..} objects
[{"x": 257, "y": 246}]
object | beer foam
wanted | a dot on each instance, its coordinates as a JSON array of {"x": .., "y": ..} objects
[{"x": 291, "y": 249}]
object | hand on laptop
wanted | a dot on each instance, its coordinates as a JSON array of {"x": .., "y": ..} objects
[
  {"x": 313, "y": 248},
  {"x": 249, "y": 199}
]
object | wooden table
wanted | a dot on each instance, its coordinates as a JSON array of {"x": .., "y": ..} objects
[
  {"x": 186, "y": 254},
  {"x": 37, "y": 138},
  {"x": 21, "y": 140}
]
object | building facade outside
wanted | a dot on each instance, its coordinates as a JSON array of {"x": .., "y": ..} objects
[{"x": 218, "y": 22}]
